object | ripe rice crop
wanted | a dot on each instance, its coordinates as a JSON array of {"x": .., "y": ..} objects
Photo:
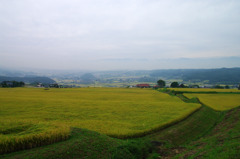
[
  {"x": 218, "y": 101},
  {"x": 24, "y": 135},
  {"x": 117, "y": 112},
  {"x": 204, "y": 90}
]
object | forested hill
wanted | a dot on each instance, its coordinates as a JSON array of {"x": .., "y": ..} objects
[
  {"x": 226, "y": 75},
  {"x": 221, "y": 75},
  {"x": 44, "y": 80}
]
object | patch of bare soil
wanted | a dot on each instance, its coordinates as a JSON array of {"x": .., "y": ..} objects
[{"x": 167, "y": 153}]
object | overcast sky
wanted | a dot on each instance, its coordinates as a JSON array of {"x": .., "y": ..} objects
[{"x": 119, "y": 34}]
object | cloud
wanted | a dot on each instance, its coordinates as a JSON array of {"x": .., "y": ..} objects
[{"x": 83, "y": 33}]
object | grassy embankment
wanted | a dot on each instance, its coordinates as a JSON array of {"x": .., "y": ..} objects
[
  {"x": 222, "y": 141},
  {"x": 205, "y": 134}
]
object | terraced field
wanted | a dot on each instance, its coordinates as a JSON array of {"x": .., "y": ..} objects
[
  {"x": 30, "y": 113},
  {"x": 36, "y": 117},
  {"x": 217, "y": 101},
  {"x": 204, "y": 90}
]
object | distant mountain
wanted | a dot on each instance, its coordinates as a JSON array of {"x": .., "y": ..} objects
[
  {"x": 30, "y": 79},
  {"x": 172, "y": 73},
  {"x": 87, "y": 78},
  {"x": 223, "y": 75}
]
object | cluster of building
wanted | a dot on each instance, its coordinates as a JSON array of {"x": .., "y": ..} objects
[{"x": 53, "y": 85}]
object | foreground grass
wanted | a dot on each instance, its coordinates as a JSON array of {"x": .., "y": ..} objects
[
  {"x": 221, "y": 142},
  {"x": 192, "y": 128},
  {"x": 219, "y": 102},
  {"x": 205, "y": 134}
]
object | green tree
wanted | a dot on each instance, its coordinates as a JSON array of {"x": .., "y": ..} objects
[
  {"x": 12, "y": 84},
  {"x": 161, "y": 83},
  {"x": 218, "y": 87},
  {"x": 182, "y": 86},
  {"x": 227, "y": 87},
  {"x": 194, "y": 86},
  {"x": 174, "y": 85}
]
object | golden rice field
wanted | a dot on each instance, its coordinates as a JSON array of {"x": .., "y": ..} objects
[
  {"x": 29, "y": 115},
  {"x": 217, "y": 101},
  {"x": 204, "y": 90}
]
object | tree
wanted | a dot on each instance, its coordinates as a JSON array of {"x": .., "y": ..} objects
[
  {"x": 12, "y": 84},
  {"x": 161, "y": 83},
  {"x": 194, "y": 86},
  {"x": 174, "y": 85},
  {"x": 182, "y": 86},
  {"x": 218, "y": 87},
  {"x": 227, "y": 87}
]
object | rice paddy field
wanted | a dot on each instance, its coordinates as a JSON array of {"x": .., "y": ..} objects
[
  {"x": 36, "y": 116},
  {"x": 218, "y": 102},
  {"x": 204, "y": 90}
]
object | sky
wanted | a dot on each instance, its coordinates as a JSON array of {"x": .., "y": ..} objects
[{"x": 119, "y": 34}]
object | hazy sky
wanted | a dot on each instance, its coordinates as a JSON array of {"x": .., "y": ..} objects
[{"x": 119, "y": 34}]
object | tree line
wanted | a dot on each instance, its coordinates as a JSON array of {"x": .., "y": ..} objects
[
  {"x": 12, "y": 84},
  {"x": 162, "y": 84}
]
